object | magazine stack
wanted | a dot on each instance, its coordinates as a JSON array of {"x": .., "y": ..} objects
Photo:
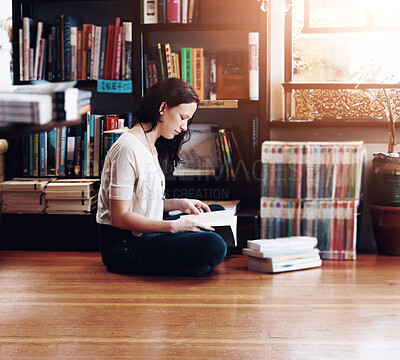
[{"x": 312, "y": 189}]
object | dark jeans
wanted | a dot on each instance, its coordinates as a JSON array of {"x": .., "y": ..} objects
[{"x": 187, "y": 254}]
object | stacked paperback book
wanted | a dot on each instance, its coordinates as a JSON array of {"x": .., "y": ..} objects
[
  {"x": 72, "y": 196},
  {"x": 49, "y": 195},
  {"x": 282, "y": 254},
  {"x": 24, "y": 195}
]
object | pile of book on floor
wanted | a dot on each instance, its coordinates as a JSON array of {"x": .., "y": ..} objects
[
  {"x": 22, "y": 195},
  {"x": 282, "y": 254},
  {"x": 71, "y": 196}
]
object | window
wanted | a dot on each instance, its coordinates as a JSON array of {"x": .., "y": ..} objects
[{"x": 346, "y": 41}]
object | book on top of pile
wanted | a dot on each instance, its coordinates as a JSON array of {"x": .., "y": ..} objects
[
  {"x": 25, "y": 184},
  {"x": 62, "y": 185},
  {"x": 283, "y": 243}
]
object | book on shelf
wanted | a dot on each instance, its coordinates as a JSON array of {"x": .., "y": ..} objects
[
  {"x": 199, "y": 153},
  {"x": 169, "y": 11},
  {"x": 76, "y": 185},
  {"x": 254, "y": 72},
  {"x": 71, "y": 50},
  {"x": 25, "y": 184},
  {"x": 232, "y": 75},
  {"x": 22, "y": 195},
  {"x": 173, "y": 11},
  {"x": 224, "y": 223},
  {"x": 149, "y": 11},
  {"x": 25, "y": 108},
  {"x": 71, "y": 206}
]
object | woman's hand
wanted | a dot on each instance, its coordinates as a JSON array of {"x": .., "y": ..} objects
[
  {"x": 186, "y": 224},
  {"x": 192, "y": 206}
]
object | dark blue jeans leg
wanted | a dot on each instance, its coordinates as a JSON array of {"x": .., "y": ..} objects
[{"x": 190, "y": 254}]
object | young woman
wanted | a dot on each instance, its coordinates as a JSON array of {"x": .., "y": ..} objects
[{"x": 133, "y": 236}]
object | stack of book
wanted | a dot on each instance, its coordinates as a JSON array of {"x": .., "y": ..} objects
[
  {"x": 72, "y": 196},
  {"x": 282, "y": 254},
  {"x": 24, "y": 195}
]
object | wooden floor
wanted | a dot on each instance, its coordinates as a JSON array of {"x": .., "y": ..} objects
[{"x": 67, "y": 306}]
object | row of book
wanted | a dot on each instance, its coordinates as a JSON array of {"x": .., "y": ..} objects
[
  {"x": 169, "y": 11},
  {"x": 42, "y": 103},
  {"x": 51, "y": 196},
  {"x": 76, "y": 151},
  {"x": 72, "y": 50},
  {"x": 333, "y": 223},
  {"x": 209, "y": 152},
  {"x": 282, "y": 254},
  {"x": 221, "y": 75},
  {"x": 312, "y": 170}
]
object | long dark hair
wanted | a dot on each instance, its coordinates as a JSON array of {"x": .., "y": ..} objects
[{"x": 173, "y": 92}]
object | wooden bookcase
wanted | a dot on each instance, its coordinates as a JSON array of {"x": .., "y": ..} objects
[{"x": 222, "y": 25}]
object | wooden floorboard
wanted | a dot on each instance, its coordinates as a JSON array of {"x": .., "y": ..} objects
[{"x": 60, "y": 305}]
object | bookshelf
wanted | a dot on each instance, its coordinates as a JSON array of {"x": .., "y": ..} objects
[{"x": 222, "y": 26}]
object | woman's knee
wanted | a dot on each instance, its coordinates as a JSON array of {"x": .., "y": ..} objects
[{"x": 216, "y": 248}]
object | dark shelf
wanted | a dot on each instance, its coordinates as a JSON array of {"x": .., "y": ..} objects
[
  {"x": 13, "y": 130},
  {"x": 198, "y": 27}
]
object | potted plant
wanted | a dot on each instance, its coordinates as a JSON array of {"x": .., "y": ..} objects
[{"x": 385, "y": 209}]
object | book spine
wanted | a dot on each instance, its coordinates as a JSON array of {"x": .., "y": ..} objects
[
  {"x": 161, "y": 60},
  {"x": 74, "y": 49},
  {"x": 21, "y": 53},
  {"x": 79, "y": 55},
  {"x": 173, "y": 11},
  {"x": 96, "y": 61},
  {"x": 51, "y": 152},
  {"x": 89, "y": 70},
  {"x": 128, "y": 51},
  {"x": 62, "y": 152},
  {"x": 168, "y": 59},
  {"x": 198, "y": 71},
  {"x": 42, "y": 54},
  {"x": 118, "y": 55},
  {"x": 162, "y": 11},
  {"x": 69, "y": 163},
  {"x": 35, "y": 154},
  {"x": 43, "y": 154},
  {"x": 85, "y": 29},
  {"x": 150, "y": 11},
  {"x": 92, "y": 52},
  {"x": 26, "y": 35},
  {"x": 184, "y": 12},
  {"x": 116, "y": 46},
  {"x": 109, "y": 51},
  {"x": 37, "y": 50},
  {"x": 103, "y": 49},
  {"x": 254, "y": 66},
  {"x": 228, "y": 153}
]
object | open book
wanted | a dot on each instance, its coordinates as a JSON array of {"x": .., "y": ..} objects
[{"x": 224, "y": 222}]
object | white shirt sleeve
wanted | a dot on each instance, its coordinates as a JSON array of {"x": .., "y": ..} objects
[{"x": 123, "y": 173}]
